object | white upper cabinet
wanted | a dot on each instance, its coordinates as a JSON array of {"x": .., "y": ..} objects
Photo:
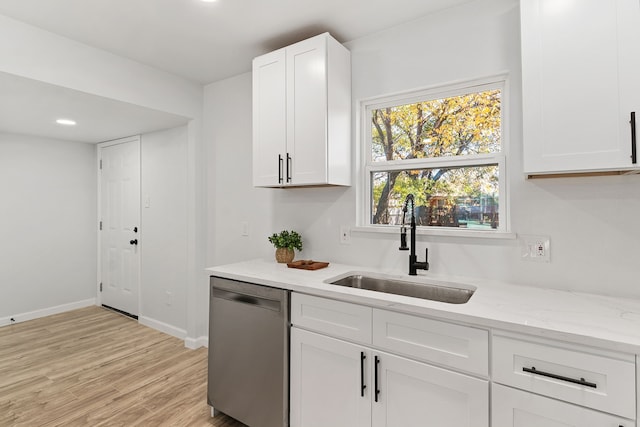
[
  {"x": 302, "y": 115},
  {"x": 580, "y": 68},
  {"x": 269, "y": 118}
]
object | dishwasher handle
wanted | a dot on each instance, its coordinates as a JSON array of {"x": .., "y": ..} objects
[{"x": 261, "y": 302}]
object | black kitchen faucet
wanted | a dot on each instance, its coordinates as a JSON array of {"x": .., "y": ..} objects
[{"x": 414, "y": 264}]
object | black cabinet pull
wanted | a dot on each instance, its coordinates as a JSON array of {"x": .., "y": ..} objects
[
  {"x": 288, "y": 168},
  {"x": 375, "y": 376},
  {"x": 581, "y": 381},
  {"x": 133, "y": 242},
  {"x": 362, "y": 384},
  {"x": 279, "y": 169},
  {"x": 634, "y": 148}
]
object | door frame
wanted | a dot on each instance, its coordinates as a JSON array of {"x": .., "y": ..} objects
[{"x": 100, "y": 147}]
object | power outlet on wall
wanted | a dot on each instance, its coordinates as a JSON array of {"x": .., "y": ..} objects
[
  {"x": 535, "y": 248},
  {"x": 345, "y": 235}
]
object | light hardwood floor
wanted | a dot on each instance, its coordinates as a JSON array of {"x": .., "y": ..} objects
[{"x": 93, "y": 367}]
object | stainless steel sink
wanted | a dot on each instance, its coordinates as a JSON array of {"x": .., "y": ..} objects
[{"x": 442, "y": 293}]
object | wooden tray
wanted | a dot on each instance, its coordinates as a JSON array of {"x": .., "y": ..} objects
[{"x": 307, "y": 264}]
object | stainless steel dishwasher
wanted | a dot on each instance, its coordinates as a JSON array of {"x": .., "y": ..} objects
[{"x": 249, "y": 352}]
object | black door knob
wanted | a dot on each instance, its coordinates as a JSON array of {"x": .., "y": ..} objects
[{"x": 133, "y": 242}]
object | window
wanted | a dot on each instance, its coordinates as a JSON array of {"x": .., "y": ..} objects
[{"x": 444, "y": 146}]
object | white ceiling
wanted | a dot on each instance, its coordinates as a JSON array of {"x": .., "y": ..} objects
[
  {"x": 206, "y": 42},
  {"x": 30, "y": 107},
  {"x": 202, "y": 42}
]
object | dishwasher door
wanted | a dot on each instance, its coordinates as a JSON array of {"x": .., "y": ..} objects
[{"x": 249, "y": 352}]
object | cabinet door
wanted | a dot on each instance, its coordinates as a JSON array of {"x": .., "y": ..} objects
[
  {"x": 307, "y": 113},
  {"x": 269, "y": 119},
  {"x": 515, "y": 408},
  {"x": 326, "y": 380},
  {"x": 414, "y": 394},
  {"x": 579, "y": 77}
]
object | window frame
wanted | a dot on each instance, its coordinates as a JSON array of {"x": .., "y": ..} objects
[{"x": 366, "y": 165}]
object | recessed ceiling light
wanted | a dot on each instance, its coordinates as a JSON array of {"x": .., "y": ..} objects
[{"x": 66, "y": 122}]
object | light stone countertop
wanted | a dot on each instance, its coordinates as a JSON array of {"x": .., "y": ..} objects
[{"x": 595, "y": 320}]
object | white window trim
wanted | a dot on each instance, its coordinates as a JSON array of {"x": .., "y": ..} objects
[{"x": 364, "y": 167}]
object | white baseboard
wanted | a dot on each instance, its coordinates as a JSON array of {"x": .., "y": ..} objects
[
  {"x": 163, "y": 327},
  {"x": 194, "y": 343},
  {"x": 36, "y": 314}
]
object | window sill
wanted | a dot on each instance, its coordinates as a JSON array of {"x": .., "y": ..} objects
[{"x": 443, "y": 232}]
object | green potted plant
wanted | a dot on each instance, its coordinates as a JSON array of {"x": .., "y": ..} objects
[{"x": 285, "y": 242}]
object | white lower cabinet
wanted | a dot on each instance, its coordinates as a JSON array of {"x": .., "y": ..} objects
[
  {"x": 357, "y": 366},
  {"x": 516, "y": 408},
  {"x": 571, "y": 373},
  {"x": 415, "y": 394},
  {"x": 336, "y": 383},
  {"x": 326, "y": 382}
]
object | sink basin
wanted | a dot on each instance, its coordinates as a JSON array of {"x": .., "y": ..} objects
[{"x": 443, "y": 293}]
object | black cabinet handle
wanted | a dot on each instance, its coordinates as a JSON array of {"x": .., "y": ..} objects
[
  {"x": 375, "y": 377},
  {"x": 279, "y": 169},
  {"x": 634, "y": 148},
  {"x": 133, "y": 242},
  {"x": 362, "y": 384},
  {"x": 581, "y": 381},
  {"x": 288, "y": 168}
]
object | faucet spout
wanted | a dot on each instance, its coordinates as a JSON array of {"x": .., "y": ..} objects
[{"x": 414, "y": 264}]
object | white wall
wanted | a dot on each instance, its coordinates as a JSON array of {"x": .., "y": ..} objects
[
  {"x": 231, "y": 198},
  {"x": 31, "y": 52},
  {"x": 48, "y": 227},
  {"x": 163, "y": 232},
  {"x": 592, "y": 222}
]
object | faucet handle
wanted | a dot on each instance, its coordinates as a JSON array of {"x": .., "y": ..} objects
[{"x": 426, "y": 259}]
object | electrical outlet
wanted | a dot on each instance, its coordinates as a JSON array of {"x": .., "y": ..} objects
[
  {"x": 168, "y": 298},
  {"x": 535, "y": 248},
  {"x": 244, "y": 228},
  {"x": 345, "y": 235}
]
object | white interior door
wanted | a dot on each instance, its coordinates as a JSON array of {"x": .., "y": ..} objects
[{"x": 120, "y": 216}]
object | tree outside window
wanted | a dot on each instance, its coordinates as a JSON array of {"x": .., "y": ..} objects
[{"x": 446, "y": 150}]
